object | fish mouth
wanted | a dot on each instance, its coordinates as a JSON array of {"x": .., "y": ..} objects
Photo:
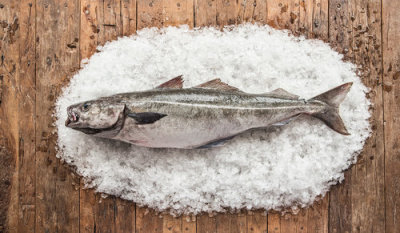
[{"x": 73, "y": 117}]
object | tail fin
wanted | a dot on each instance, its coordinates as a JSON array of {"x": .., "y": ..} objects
[{"x": 330, "y": 116}]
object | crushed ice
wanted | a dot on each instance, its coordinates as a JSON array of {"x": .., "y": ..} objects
[{"x": 270, "y": 169}]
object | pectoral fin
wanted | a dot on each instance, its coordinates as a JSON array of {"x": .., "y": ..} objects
[{"x": 142, "y": 118}]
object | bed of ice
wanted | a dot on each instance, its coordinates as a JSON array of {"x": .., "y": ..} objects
[{"x": 277, "y": 168}]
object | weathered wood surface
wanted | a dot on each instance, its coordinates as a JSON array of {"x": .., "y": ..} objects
[{"x": 43, "y": 42}]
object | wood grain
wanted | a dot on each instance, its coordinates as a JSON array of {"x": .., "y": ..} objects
[
  {"x": 206, "y": 224},
  {"x": 391, "y": 93},
  {"x": 252, "y": 11},
  {"x": 231, "y": 223},
  {"x": 149, "y": 13},
  {"x": 189, "y": 224},
  {"x": 26, "y": 118},
  {"x": 178, "y": 12},
  {"x": 124, "y": 216},
  {"x": 172, "y": 224},
  {"x": 205, "y": 13},
  {"x": 257, "y": 222},
  {"x": 274, "y": 223},
  {"x": 226, "y": 12},
  {"x": 148, "y": 220}
]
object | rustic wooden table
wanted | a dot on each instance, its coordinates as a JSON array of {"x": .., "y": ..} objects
[{"x": 43, "y": 42}]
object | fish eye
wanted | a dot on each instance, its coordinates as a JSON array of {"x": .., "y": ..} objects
[{"x": 85, "y": 106}]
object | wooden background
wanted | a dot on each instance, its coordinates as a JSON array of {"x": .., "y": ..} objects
[{"x": 43, "y": 41}]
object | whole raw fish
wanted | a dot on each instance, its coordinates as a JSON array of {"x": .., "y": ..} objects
[{"x": 199, "y": 117}]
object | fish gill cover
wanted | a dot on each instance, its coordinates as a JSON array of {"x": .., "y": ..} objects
[{"x": 279, "y": 168}]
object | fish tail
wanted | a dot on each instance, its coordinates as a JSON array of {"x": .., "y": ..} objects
[{"x": 330, "y": 116}]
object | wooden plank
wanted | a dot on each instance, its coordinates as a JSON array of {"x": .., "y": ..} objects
[
  {"x": 231, "y": 223},
  {"x": 128, "y": 15},
  {"x": 205, "y": 13},
  {"x": 391, "y": 87},
  {"x": 104, "y": 219},
  {"x": 149, "y": 13},
  {"x": 57, "y": 201},
  {"x": 283, "y": 15},
  {"x": 98, "y": 214},
  {"x": 368, "y": 174},
  {"x": 148, "y": 220},
  {"x": 26, "y": 119},
  {"x": 227, "y": 11},
  {"x": 257, "y": 222},
  {"x": 17, "y": 100},
  {"x": 340, "y": 212},
  {"x": 112, "y": 21},
  {"x": 295, "y": 222},
  {"x": 189, "y": 224},
  {"x": 313, "y": 19},
  {"x": 318, "y": 216},
  {"x": 274, "y": 222},
  {"x": 7, "y": 167},
  {"x": 9, "y": 105},
  {"x": 90, "y": 25},
  {"x": 252, "y": 11},
  {"x": 124, "y": 216},
  {"x": 86, "y": 213},
  {"x": 177, "y": 12},
  {"x": 340, "y": 206},
  {"x": 206, "y": 224},
  {"x": 354, "y": 31},
  {"x": 172, "y": 224}
]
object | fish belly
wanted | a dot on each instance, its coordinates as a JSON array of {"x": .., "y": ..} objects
[{"x": 196, "y": 127}]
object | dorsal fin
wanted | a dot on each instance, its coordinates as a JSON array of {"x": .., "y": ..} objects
[
  {"x": 176, "y": 82},
  {"x": 217, "y": 84},
  {"x": 283, "y": 93}
]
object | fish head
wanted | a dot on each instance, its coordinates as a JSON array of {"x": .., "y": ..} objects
[{"x": 96, "y": 116}]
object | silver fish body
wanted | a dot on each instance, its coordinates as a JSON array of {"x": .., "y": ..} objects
[{"x": 203, "y": 116}]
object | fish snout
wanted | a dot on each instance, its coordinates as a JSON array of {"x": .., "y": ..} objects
[{"x": 73, "y": 117}]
